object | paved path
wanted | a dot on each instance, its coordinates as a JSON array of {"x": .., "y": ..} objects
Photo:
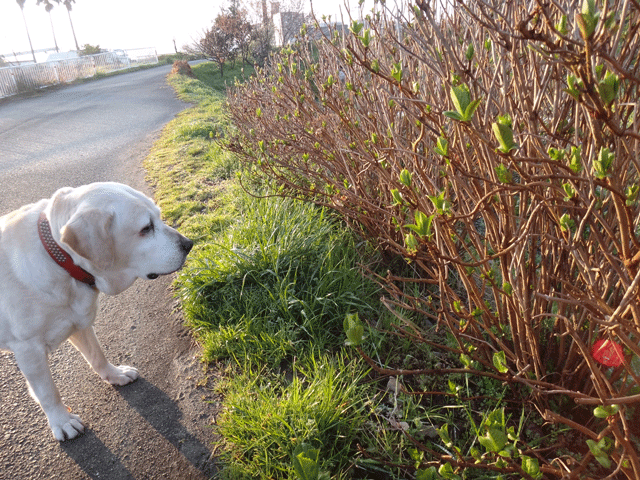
[{"x": 159, "y": 426}]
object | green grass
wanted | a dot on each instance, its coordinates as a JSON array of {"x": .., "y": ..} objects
[
  {"x": 265, "y": 292},
  {"x": 275, "y": 285},
  {"x": 268, "y": 418}
]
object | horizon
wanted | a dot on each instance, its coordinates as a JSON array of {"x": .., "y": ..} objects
[{"x": 123, "y": 24}]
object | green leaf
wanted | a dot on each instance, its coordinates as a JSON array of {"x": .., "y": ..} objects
[
  {"x": 608, "y": 87},
  {"x": 442, "y": 147},
  {"x": 461, "y": 98},
  {"x": 423, "y": 224},
  {"x": 588, "y": 18},
  {"x": 632, "y": 194},
  {"x": 531, "y": 467},
  {"x": 567, "y": 223},
  {"x": 599, "y": 451},
  {"x": 569, "y": 191},
  {"x": 356, "y": 27},
  {"x": 441, "y": 204},
  {"x": 396, "y": 71},
  {"x": 556, "y": 154},
  {"x": 562, "y": 26},
  {"x": 470, "y": 52},
  {"x": 405, "y": 178},
  {"x": 471, "y": 108},
  {"x": 503, "y": 132},
  {"x": 503, "y": 173},
  {"x": 411, "y": 243},
  {"x": 493, "y": 440},
  {"x": 508, "y": 289},
  {"x": 365, "y": 38},
  {"x": 443, "y": 433},
  {"x": 354, "y": 329},
  {"x": 464, "y": 107},
  {"x": 305, "y": 462},
  {"x": 500, "y": 362},
  {"x": 430, "y": 473},
  {"x": 605, "y": 411},
  {"x": 452, "y": 115},
  {"x": 575, "y": 162},
  {"x": 602, "y": 164},
  {"x": 465, "y": 360},
  {"x": 446, "y": 471},
  {"x": 397, "y": 197},
  {"x": 574, "y": 86}
]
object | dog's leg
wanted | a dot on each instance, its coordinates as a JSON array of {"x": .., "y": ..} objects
[
  {"x": 86, "y": 342},
  {"x": 34, "y": 364}
]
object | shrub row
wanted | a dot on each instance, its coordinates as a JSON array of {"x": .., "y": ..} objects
[{"x": 494, "y": 146}]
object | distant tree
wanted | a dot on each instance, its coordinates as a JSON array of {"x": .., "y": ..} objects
[
  {"x": 229, "y": 36},
  {"x": 67, "y": 3},
  {"x": 21, "y": 5},
  {"x": 261, "y": 45},
  {"x": 48, "y": 6},
  {"x": 89, "y": 50}
]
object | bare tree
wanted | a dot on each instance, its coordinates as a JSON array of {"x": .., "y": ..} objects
[{"x": 229, "y": 36}]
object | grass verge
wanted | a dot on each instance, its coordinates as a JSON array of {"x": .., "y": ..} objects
[{"x": 265, "y": 291}]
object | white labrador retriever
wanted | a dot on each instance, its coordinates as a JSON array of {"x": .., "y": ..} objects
[{"x": 56, "y": 255}]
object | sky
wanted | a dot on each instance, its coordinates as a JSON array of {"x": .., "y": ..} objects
[{"x": 119, "y": 24}]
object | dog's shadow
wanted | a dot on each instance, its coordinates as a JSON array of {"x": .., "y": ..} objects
[{"x": 161, "y": 413}]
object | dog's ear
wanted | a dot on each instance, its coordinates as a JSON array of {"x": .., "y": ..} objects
[{"x": 88, "y": 233}]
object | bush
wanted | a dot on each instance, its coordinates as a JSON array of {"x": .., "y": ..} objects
[
  {"x": 494, "y": 146},
  {"x": 182, "y": 67}
]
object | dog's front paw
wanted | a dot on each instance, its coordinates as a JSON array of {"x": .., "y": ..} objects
[
  {"x": 65, "y": 425},
  {"x": 119, "y": 375}
]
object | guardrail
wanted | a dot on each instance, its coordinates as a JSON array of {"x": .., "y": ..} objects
[{"x": 27, "y": 78}]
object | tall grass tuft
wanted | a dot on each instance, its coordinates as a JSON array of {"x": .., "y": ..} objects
[{"x": 279, "y": 282}]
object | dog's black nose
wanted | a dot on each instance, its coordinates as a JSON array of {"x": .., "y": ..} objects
[{"x": 186, "y": 245}]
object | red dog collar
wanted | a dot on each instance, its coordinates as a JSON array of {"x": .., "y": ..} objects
[{"x": 61, "y": 257}]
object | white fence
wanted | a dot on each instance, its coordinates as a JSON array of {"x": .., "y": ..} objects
[{"x": 25, "y": 78}]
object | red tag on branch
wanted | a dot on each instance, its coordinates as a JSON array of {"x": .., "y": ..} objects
[{"x": 608, "y": 353}]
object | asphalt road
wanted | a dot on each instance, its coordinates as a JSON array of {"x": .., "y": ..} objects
[{"x": 160, "y": 425}]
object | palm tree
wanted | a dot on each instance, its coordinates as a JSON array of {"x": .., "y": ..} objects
[
  {"x": 48, "y": 7},
  {"x": 67, "y": 3},
  {"x": 21, "y": 5}
]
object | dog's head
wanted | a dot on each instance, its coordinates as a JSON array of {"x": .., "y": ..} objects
[{"x": 115, "y": 233}]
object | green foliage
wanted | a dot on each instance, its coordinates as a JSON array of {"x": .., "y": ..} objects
[
  {"x": 89, "y": 50},
  {"x": 588, "y": 18},
  {"x": 464, "y": 107},
  {"x": 354, "y": 329},
  {"x": 502, "y": 129}
]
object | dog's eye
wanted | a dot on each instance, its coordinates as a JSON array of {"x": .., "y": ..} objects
[{"x": 147, "y": 230}]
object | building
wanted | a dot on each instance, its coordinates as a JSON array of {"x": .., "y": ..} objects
[{"x": 286, "y": 25}]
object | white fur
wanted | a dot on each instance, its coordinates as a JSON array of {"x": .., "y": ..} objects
[{"x": 105, "y": 229}]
